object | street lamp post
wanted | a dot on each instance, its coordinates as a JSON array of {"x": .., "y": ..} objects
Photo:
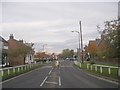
[
  {"x": 79, "y": 43},
  {"x": 80, "y": 40}
]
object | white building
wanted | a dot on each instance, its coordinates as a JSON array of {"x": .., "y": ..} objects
[
  {"x": 30, "y": 56},
  {"x": 3, "y": 52}
]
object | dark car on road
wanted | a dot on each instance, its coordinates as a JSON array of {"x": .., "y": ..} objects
[{"x": 72, "y": 59}]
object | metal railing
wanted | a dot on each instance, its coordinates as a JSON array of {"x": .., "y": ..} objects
[
  {"x": 18, "y": 68},
  {"x": 101, "y": 67},
  {"x": 96, "y": 66}
]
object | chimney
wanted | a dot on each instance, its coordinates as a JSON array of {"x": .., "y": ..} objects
[
  {"x": 11, "y": 36},
  {"x": 21, "y": 41}
]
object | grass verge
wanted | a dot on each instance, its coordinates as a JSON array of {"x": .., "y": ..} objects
[
  {"x": 16, "y": 73},
  {"x": 113, "y": 75}
]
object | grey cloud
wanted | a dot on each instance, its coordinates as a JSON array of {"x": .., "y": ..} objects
[{"x": 58, "y": 19}]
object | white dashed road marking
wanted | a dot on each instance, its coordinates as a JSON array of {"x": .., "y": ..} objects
[
  {"x": 43, "y": 81},
  {"x": 59, "y": 81},
  {"x": 51, "y": 82}
]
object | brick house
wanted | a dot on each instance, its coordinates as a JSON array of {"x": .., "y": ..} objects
[
  {"x": 96, "y": 46},
  {"x": 101, "y": 45},
  {"x": 19, "y": 53}
]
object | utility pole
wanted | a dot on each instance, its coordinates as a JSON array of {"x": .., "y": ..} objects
[
  {"x": 44, "y": 47},
  {"x": 81, "y": 41}
]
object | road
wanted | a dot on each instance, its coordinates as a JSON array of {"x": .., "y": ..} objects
[{"x": 67, "y": 76}]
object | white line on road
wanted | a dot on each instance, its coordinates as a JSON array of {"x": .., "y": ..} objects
[
  {"x": 50, "y": 71},
  {"x": 100, "y": 78},
  {"x": 43, "y": 81},
  {"x": 51, "y": 82},
  {"x": 59, "y": 81}
]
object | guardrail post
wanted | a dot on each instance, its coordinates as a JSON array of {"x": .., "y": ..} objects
[
  {"x": 87, "y": 66},
  {"x": 95, "y": 68},
  {"x": 1, "y": 72},
  {"x": 109, "y": 70},
  {"x": 18, "y": 69},
  {"x": 119, "y": 71},
  {"x": 91, "y": 67},
  {"x": 30, "y": 66},
  {"x": 80, "y": 65},
  {"x": 41, "y": 63},
  {"x": 25, "y": 67},
  {"x": 100, "y": 69},
  {"x": 22, "y": 68},
  {"x": 14, "y": 70},
  {"x": 8, "y": 71}
]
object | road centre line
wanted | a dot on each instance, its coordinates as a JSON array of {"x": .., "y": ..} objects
[
  {"x": 46, "y": 78},
  {"x": 50, "y": 71},
  {"x": 59, "y": 81},
  {"x": 43, "y": 81}
]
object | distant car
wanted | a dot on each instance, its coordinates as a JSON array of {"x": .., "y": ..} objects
[
  {"x": 72, "y": 59},
  {"x": 67, "y": 59}
]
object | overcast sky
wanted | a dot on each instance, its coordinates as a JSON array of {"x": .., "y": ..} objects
[{"x": 51, "y": 23}]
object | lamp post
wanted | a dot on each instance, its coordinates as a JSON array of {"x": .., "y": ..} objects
[
  {"x": 79, "y": 43},
  {"x": 80, "y": 40}
]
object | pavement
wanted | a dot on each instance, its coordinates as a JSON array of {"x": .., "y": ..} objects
[{"x": 66, "y": 76}]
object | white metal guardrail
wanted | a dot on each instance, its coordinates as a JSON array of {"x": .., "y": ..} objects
[
  {"x": 89, "y": 66},
  {"x": 101, "y": 67},
  {"x": 25, "y": 67}
]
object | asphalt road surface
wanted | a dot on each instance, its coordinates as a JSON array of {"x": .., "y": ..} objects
[{"x": 66, "y": 76}]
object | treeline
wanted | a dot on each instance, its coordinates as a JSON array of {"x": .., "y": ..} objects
[
  {"x": 108, "y": 46},
  {"x": 67, "y": 53},
  {"x": 111, "y": 34}
]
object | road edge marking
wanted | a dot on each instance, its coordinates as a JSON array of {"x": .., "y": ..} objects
[
  {"x": 50, "y": 71},
  {"x": 100, "y": 78}
]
